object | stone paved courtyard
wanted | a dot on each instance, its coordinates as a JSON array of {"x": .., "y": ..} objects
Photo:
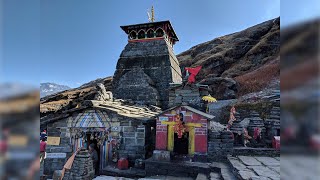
[
  {"x": 148, "y": 178},
  {"x": 256, "y": 167},
  {"x": 297, "y": 167},
  {"x": 240, "y": 167}
]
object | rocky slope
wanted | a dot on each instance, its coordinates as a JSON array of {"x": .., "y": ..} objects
[
  {"x": 227, "y": 62},
  {"x": 51, "y": 88},
  {"x": 234, "y": 55}
]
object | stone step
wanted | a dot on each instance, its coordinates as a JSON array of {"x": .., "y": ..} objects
[
  {"x": 201, "y": 177},
  {"x": 274, "y": 117},
  {"x": 227, "y": 174},
  {"x": 215, "y": 176}
]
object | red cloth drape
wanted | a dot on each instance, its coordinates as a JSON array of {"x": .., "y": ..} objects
[
  {"x": 256, "y": 133},
  {"x": 193, "y": 72}
]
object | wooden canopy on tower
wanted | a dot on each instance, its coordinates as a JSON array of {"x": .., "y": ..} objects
[{"x": 134, "y": 30}]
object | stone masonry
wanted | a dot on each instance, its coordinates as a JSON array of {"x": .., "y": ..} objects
[
  {"x": 135, "y": 136},
  {"x": 82, "y": 167},
  {"x": 187, "y": 95},
  {"x": 152, "y": 65},
  {"x": 220, "y": 144}
]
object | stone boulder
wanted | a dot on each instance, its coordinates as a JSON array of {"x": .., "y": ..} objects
[
  {"x": 222, "y": 88},
  {"x": 221, "y": 109}
]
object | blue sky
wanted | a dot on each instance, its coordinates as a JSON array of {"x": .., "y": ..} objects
[{"x": 72, "y": 42}]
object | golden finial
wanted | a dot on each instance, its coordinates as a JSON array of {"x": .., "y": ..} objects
[{"x": 151, "y": 15}]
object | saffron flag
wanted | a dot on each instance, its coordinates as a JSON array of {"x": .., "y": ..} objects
[{"x": 193, "y": 72}]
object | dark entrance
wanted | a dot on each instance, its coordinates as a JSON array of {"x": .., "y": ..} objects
[
  {"x": 238, "y": 139},
  {"x": 96, "y": 147},
  {"x": 181, "y": 144}
]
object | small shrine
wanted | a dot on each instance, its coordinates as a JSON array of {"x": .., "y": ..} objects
[{"x": 182, "y": 130}]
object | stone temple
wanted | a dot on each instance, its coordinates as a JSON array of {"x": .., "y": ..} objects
[{"x": 147, "y": 65}]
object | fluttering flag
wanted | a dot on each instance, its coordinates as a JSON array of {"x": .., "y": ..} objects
[{"x": 193, "y": 72}]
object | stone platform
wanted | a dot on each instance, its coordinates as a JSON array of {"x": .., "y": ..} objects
[
  {"x": 129, "y": 173},
  {"x": 248, "y": 151},
  {"x": 255, "y": 167},
  {"x": 195, "y": 170}
]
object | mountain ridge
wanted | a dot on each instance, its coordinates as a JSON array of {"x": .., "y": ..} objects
[{"x": 49, "y": 88}]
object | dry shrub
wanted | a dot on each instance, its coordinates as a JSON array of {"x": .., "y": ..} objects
[{"x": 258, "y": 79}]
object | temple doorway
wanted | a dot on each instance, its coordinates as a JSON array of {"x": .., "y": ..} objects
[
  {"x": 181, "y": 144},
  {"x": 90, "y": 139}
]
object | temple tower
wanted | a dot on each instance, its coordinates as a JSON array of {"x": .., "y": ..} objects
[{"x": 147, "y": 65}]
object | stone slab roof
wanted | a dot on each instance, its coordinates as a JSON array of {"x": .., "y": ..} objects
[
  {"x": 121, "y": 108},
  {"x": 131, "y": 111}
]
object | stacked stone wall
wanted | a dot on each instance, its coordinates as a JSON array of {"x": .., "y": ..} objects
[
  {"x": 57, "y": 129},
  {"x": 220, "y": 144}
]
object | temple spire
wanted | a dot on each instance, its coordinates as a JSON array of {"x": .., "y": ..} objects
[{"x": 151, "y": 15}]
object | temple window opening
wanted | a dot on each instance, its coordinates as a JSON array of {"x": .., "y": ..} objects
[
  {"x": 141, "y": 34},
  {"x": 159, "y": 33},
  {"x": 133, "y": 35},
  {"x": 150, "y": 33}
]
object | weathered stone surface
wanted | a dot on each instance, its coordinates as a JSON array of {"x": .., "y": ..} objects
[
  {"x": 181, "y": 94},
  {"x": 56, "y": 175},
  {"x": 161, "y": 155},
  {"x": 174, "y": 168},
  {"x": 157, "y": 67},
  {"x": 250, "y": 161},
  {"x": 111, "y": 178},
  {"x": 201, "y": 177},
  {"x": 220, "y": 144},
  {"x": 264, "y": 171},
  {"x": 249, "y": 151},
  {"x": 137, "y": 86},
  {"x": 268, "y": 161},
  {"x": 223, "y": 88},
  {"x": 237, "y": 164},
  {"x": 256, "y": 171},
  {"x": 221, "y": 109},
  {"x": 247, "y": 174},
  {"x": 166, "y": 178},
  {"x": 226, "y": 173},
  {"x": 214, "y": 175},
  {"x": 53, "y": 149},
  {"x": 82, "y": 167},
  {"x": 275, "y": 168},
  {"x": 260, "y": 178}
]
